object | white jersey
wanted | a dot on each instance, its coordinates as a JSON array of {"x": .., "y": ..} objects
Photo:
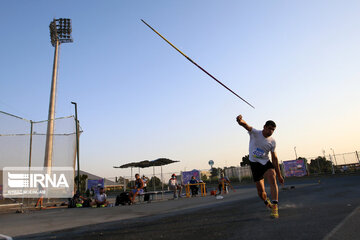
[
  {"x": 260, "y": 147},
  {"x": 173, "y": 182},
  {"x": 144, "y": 181},
  {"x": 100, "y": 197}
]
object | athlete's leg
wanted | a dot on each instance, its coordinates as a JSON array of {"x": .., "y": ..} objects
[
  {"x": 261, "y": 189},
  {"x": 134, "y": 196},
  {"x": 39, "y": 202},
  {"x": 180, "y": 189},
  {"x": 271, "y": 178}
]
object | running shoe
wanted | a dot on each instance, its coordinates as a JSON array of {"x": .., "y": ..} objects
[
  {"x": 268, "y": 203},
  {"x": 274, "y": 211}
]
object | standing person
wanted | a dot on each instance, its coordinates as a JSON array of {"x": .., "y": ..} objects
[
  {"x": 147, "y": 195},
  {"x": 261, "y": 143},
  {"x": 40, "y": 200},
  {"x": 174, "y": 185},
  {"x": 145, "y": 181},
  {"x": 224, "y": 182}
]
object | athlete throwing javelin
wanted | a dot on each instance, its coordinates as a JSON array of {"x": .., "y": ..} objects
[{"x": 261, "y": 143}]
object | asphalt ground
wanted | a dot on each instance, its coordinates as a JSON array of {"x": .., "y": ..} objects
[{"x": 326, "y": 210}]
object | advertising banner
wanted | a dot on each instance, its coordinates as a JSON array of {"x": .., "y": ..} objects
[
  {"x": 295, "y": 168},
  {"x": 186, "y": 176},
  {"x": 94, "y": 185}
]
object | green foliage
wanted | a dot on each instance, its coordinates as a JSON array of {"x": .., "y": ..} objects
[
  {"x": 83, "y": 179},
  {"x": 245, "y": 161},
  {"x": 204, "y": 177},
  {"x": 215, "y": 172},
  {"x": 153, "y": 180},
  {"x": 214, "y": 179},
  {"x": 150, "y": 183},
  {"x": 319, "y": 165}
]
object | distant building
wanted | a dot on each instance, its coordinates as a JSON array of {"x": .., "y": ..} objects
[
  {"x": 238, "y": 172},
  {"x": 205, "y": 173}
]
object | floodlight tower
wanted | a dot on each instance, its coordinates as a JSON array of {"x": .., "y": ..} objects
[{"x": 60, "y": 32}]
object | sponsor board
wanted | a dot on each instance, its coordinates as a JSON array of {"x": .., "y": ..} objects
[{"x": 295, "y": 168}]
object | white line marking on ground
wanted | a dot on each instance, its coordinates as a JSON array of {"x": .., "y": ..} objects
[
  {"x": 291, "y": 205},
  {"x": 327, "y": 237},
  {"x": 6, "y": 237}
]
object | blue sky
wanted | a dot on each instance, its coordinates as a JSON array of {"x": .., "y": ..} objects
[{"x": 295, "y": 61}]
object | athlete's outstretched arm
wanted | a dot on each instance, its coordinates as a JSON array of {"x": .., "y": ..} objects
[
  {"x": 242, "y": 123},
  {"x": 275, "y": 162}
]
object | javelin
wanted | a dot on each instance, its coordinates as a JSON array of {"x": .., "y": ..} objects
[{"x": 197, "y": 64}]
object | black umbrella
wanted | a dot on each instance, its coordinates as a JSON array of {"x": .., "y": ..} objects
[
  {"x": 162, "y": 161},
  {"x": 146, "y": 163},
  {"x": 127, "y": 165}
]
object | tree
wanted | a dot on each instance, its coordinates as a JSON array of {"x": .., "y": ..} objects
[
  {"x": 83, "y": 179},
  {"x": 245, "y": 161},
  {"x": 204, "y": 177},
  {"x": 320, "y": 165},
  {"x": 153, "y": 179},
  {"x": 215, "y": 172}
]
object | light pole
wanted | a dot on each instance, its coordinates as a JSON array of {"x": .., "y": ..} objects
[
  {"x": 332, "y": 164},
  {"x": 60, "y": 32},
  {"x": 334, "y": 156},
  {"x": 295, "y": 153},
  {"x": 77, "y": 146}
]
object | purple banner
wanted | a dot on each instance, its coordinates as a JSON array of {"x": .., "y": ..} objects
[
  {"x": 186, "y": 176},
  {"x": 295, "y": 168},
  {"x": 94, "y": 185}
]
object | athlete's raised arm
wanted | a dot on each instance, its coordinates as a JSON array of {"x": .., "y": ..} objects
[{"x": 242, "y": 123}]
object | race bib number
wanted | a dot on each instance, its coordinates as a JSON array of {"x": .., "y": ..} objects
[{"x": 258, "y": 153}]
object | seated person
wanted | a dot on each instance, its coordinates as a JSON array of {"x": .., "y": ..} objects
[
  {"x": 139, "y": 185},
  {"x": 194, "y": 188},
  {"x": 79, "y": 201},
  {"x": 174, "y": 185},
  {"x": 100, "y": 199}
]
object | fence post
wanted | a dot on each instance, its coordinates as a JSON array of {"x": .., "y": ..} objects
[
  {"x": 239, "y": 173},
  {"x": 357, "y": 156},
  {"x": 30, "y": 153},
  {"x": 31, "y": 135}
]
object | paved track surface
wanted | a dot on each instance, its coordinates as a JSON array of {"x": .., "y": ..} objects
[{"x": 325, "y": 210}]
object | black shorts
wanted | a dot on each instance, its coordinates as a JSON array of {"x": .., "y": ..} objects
[{"x": 258, "y": 170}]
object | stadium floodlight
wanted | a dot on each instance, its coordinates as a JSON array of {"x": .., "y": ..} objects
[{"x": 60, "y": 32}]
